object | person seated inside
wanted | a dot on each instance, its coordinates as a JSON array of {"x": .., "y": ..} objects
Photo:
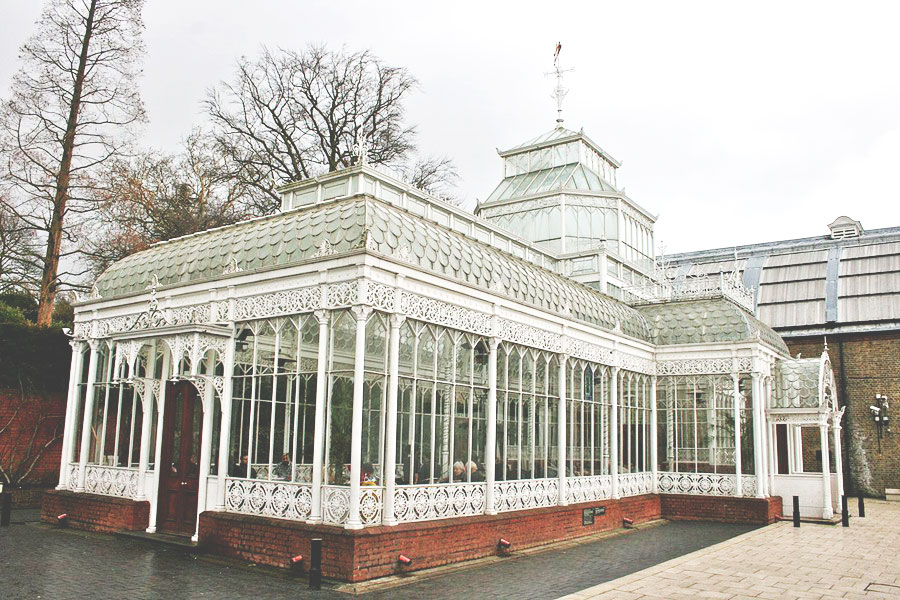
[
  {"x": 474, "y": 474},
  {"x": 239, "y": 469},
  {"x": 283, "y": 470},
  {"x": 423, "y": 474},
  {"x": 459, "y": 473},
  {"x": 367, "y": 475}
]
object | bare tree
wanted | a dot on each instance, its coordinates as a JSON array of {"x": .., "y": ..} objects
[
  {"x": 153, "y": 197},
  {"x": 435, "y": 175},
  {"x": 292, "y": 115},
  {"x": 72, "y": 100},
  {"x": 31, "y": 424},
  {"x": 19, "y": 272}
]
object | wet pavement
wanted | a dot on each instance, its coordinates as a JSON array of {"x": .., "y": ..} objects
[{"x": 41, "y": 561}]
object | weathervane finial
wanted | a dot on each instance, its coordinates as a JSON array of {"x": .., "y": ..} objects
[{"x": 560, "y": 92}]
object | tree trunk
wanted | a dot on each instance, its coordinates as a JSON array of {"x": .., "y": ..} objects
[{"x": 54, "y": 238}]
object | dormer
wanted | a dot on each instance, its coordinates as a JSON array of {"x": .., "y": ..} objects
[{"x": 845, "y": 227}]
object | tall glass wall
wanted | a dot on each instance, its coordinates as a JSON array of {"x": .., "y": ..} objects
[
  {"x": 588, "y": 416},
  {"x": 115, "y": 434},
  {"x": 696, "y": 424},
  {"x": 634, "y": 422},
  {"x": 441, "y": 404},
  {"x": 527, "y": 413},
  {"x": 274, "y": 399}
]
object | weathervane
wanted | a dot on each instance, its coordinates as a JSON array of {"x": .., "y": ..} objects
[
  {"x": 361, "y": 147},
  {"x": 560, "y": 92}
]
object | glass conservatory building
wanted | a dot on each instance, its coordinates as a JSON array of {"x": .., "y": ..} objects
[{"x": 374, "y": 366}]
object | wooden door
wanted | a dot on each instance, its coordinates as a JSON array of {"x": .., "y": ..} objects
[{"x": 179, "y": 477}]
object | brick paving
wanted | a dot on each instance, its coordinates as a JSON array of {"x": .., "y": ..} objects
[
  {"x": 43, "y": 562},
  {"x": 779, "y": 561}
]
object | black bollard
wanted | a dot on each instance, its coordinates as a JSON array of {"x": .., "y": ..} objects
[
  {"x": 796, "y": 511},
  {"x": 5, "y": 508},
  {"x": 862, "y": 506},
  {"x": 845, "y": 514},
  {"x": 315, "y": 564}
]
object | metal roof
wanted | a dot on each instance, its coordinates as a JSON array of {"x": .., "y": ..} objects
[
  {"x": 362, "y": 222},
  {"x": 572, "y": 177},
  {"x": 705, "y": 321}
]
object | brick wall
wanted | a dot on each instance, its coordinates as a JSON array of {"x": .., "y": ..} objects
[
  {"x": 864, "y": 365},
  {"x": 94, "y": 512},
  {"x": 357, "y": 555},
  {"x": 28, "y": 423},
  {"x": 756, "y": 511}
]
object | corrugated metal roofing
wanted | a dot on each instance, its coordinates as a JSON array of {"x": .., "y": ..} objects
[{"x": 813, "y": 282}]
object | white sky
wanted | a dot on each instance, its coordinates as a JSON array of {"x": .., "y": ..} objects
[{"x": 736, "y": 123}]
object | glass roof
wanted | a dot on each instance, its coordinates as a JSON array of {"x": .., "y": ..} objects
[
  {"x": 797, "y": 383},
  {"x": 713, "y": 320},
  {"x": 296, "y": 236},
  {"x": 575, "y": 176}
]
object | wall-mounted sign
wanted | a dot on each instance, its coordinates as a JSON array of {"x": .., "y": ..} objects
[{"x": 588, "y": 514}]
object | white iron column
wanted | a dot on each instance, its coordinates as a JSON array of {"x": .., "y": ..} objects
[
  {"x": 614, "y": 431},
  {"x": 359, "y": 357},
  {"x": 209, "y": 403},
  {"x": 738, "y": 403},
  {"x": 758, "y": 424},
  {"x": 838, "y": 459},
  {"x": 654, "y": 449},
  {"x": 88, "y": 414},
  {"x": 225, "y": 427},
  {"x": 827, "y": 511},
  {"x": 315, "y": 513},
  {"x": 490, "y": 451},
  {"x": 390, "y": 433},
  {"x": 561, "y": 431},
  {"x": 770, "y": 428},
  {"x": 160, "y": 419},
  {"x": 147, "y": 407},
  {"x": 762, "y": 477},
  {"x": 71, "y": 413}
]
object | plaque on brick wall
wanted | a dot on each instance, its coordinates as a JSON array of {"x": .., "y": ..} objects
[{"x": 587, "y": 516}]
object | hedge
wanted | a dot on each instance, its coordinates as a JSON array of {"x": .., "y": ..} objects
[{"x": 36, "y": 358}]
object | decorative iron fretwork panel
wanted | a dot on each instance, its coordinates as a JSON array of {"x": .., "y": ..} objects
[
  {"x": 704, "y": 484},
  {"x": 335, "y": 504},
  {"x": 74, "y": 469},
  {"x": 438, "y": 501},
  {"x": 635, "y": 484},
  {"x": 525, "y": 493},
  {"x": 111, "y": 481},
  {"x": 282, "y": 500},
  {"x": 588, "y": 489}
]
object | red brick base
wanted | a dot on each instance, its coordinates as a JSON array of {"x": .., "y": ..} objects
[
  {"x": 357, "y": 555},
  {"x": 361, "y": 554},
  {"x": 95, "y": 513},
  {"x": 755, "y": 511}
]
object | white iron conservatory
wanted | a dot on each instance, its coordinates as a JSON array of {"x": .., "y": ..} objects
[{"x": 372, "y": 356}]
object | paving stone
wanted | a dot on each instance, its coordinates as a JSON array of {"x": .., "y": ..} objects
[
  {"x": 780, "y": 561},
  {"x": 44, "y": 562}
]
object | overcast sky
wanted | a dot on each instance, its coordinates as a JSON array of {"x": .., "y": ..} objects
[{"x": 735, "y": 123}]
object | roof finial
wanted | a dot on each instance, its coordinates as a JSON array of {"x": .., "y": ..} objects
[{"x": 560, "y": 92}]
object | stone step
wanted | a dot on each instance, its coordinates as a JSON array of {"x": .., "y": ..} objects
[{"x": 169, "y": 540}]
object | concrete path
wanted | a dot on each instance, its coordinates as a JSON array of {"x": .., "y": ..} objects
[{"x": 779, "y": 562}]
